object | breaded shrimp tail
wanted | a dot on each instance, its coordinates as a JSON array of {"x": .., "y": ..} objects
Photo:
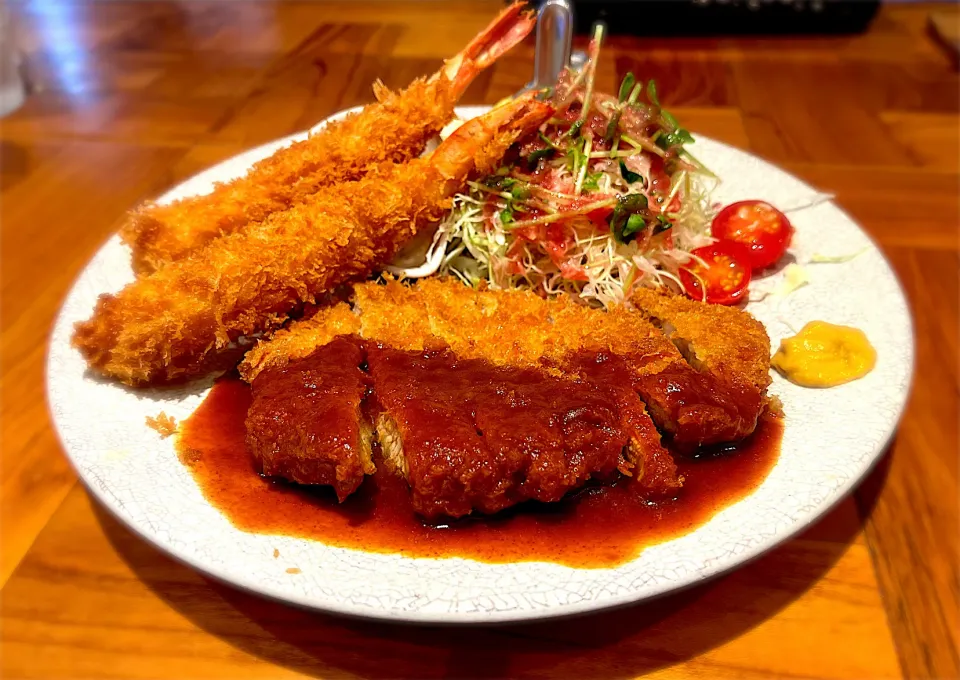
[
  {"x": 394, "y": 129},
  {"x": 169, "y": 325}
]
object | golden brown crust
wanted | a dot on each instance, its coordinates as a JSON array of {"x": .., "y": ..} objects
[
  {"x": 505, "y": 327},
  {"x": 395, "y": 129},
  {"x": 164, "y": 425},
  {"x": 702, "y": 405},
  {"x": 167, "y": 325},
  {"x": 171, "y": 324},
  {"x": 299, "y": 340},
  {"x": 726, "y": 341}
]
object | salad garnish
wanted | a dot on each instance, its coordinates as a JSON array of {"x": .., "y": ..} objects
[{"x": 603, "y": 199}]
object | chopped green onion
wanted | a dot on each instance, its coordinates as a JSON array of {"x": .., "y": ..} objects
[
  {"x": 506, "y": 216},
  {"x": 534, "y": 157},
  {"x": 627, "y": 206},
  {"x": 592, "y": 181},
  {"x": 634, "y": 225},
  {"x": 520, "y": 192},
  {"x": 612, "y": 126},
  {"x": 628, "y": 175},
  {"x": 547, "y": 141},
  {"x": 591, "y": 68},
  {"x": 581, "y": 176},
  {"x": 652, "y": 93},
  {"x": 633, "y": 202},
  {"x": 626, "y": 86}
]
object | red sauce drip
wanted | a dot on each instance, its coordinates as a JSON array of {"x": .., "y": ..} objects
[{"x": 596, "y": 527}]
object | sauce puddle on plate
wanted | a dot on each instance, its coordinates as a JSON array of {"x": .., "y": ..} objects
[{"x": 595, "y": 527}]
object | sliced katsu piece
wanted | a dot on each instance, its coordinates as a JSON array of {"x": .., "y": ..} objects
[
  {"x": 300, "y": 340},
  {"x": 521, "y": 329},
  {"x": 653, "y": 467},
  {"x": 724, "y": 341},
  {"x": 468, "y": 435},
  {"x": 305, "y": 423}
]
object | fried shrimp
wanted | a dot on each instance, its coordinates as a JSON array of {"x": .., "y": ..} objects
[
  {"x": 395, "y": 128},
  {"x": 170, "y": 324}
]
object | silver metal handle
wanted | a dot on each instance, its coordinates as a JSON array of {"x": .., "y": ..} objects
[{"x": 554, "y": 36}]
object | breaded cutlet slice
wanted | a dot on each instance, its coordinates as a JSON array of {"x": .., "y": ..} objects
[
  {"x": 519, "y": 328},
  {"x": 305, "y": 422},
  {"x": 726, "y": 341},
  {"x": 652, "y": 467},
  {"x": 300, "y": 339},
  {"x": 468, "y": 435}
]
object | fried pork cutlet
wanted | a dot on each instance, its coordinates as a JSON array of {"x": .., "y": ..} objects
[
  {"x": 474, "y": 388},
  {"x": 305, "y": 423},
  {"x": 618, "y": 353},
  {"x": 518, "y": 328},
  {"x": 469, "y": 435}
]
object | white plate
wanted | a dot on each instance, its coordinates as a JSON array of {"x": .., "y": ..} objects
[{"x": 831, "y": 439}]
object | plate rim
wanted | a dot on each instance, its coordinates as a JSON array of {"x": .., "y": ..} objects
[{"x": 479, "y": 617}]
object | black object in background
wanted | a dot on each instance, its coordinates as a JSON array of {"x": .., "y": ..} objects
[{"x": 725, "y": 17}]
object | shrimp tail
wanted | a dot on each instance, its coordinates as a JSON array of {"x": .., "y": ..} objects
[{"x": 509, "y": 28}]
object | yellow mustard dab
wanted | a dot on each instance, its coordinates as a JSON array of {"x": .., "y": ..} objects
[{"x": 825, "y": 355}]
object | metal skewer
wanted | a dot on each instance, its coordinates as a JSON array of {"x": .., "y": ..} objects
[{"x": 554, "y": 40}]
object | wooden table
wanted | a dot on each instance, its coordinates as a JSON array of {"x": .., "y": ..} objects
[{"x": 129, "y": 98}]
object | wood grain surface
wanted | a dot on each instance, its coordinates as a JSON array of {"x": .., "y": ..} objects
[{"x": 127, "y": 98}]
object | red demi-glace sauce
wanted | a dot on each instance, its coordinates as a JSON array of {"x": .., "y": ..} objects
[{"x": 595, "y": 527}]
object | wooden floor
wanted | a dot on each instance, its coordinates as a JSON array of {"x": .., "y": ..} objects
[{"x": 129, "y": 98}]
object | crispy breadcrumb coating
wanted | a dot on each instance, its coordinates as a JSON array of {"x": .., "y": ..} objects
[
  {"x": 173, "y": 323},
  {"x": 325, "y": 325},
  {"x": 503, "y": 326},
  {"x": 725, "y": 341},
  {"x": 164, "y": 425},
  {"x": 395, "y": 128}
]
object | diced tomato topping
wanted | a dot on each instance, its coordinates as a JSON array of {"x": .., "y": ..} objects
[
  {"x": 599, "y": 217},
  {"x": 659, "y": 179},
  {"x": 573, "y": 272},
  {"x": 532, "y": 233},
  {"x": 515, "y": 250},
  {"x": 515, "y": 267},
  {"x": 557, "y": 242}
]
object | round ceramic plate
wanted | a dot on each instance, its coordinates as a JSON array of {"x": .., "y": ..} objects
[{"x": 831, "y": 439}]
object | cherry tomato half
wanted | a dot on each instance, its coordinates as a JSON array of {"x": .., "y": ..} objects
[
  {"x": 761, "y": 228},
  {"x": 725, "y": 278}
]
